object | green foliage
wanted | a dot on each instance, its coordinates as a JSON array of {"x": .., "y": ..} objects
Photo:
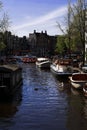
[
  {"x": 60, "y": 46},
  {"x": 2, "y": 46},
  {"x": 75, "y": 28}
]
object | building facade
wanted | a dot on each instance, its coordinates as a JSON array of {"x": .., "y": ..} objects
[
  {"x": 15, "y": 45},
  {"x": 38, "y": 44},
  {"x": 41, "y": 44}
]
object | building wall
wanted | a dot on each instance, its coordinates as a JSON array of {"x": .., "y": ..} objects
[
  {"x": 15, "y": 45},
  {"x": 38, "y": 44},
  {"x": 41, "y": 44}
]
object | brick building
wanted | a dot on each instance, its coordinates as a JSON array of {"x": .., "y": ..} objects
[{"x": 41, "y": 44}]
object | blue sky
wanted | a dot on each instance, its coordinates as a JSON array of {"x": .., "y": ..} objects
[{"x": 29, "y": 15}]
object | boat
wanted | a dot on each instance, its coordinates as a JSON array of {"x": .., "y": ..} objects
[
  {"x": 85, "y": 90},
  {"x": 29, "y": 59},
  {"x": 84, "y": 68},
  {"x": 43, "y": 62},
  {"x": 78, "y": 80},
  {"x": 63, "y": 68},
  {"x": 10, "y": 79}
]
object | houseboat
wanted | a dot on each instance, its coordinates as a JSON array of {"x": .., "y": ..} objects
[{"x": 10, "y": 79}]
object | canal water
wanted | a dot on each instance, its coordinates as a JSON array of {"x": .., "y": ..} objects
[{"x": 44, "y": 103}]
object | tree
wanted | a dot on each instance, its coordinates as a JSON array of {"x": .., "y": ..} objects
[
  {"x": 75, "y": 27},
  {"x": 2, "y": 46},
  {"x": 79, "y": 23},
  {"x": 60, "y": 46},
  {"x": 4, "y": 24},
  {"x": 68, "y": 32},
  {"x": 69, "y": 29}
]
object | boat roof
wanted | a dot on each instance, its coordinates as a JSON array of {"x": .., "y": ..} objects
[
  {"x": 9, "y": 67},
  {"x": 42, "y": 59}
]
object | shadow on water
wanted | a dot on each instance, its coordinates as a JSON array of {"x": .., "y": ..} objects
[
  {"x": 77, "y": 112},
  {"x": 9, "y": 106}
]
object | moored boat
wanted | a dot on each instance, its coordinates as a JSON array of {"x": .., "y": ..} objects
[
  {"x": 78, "y": 80},
  {"x": 43, "y": 62},
  {"x": 63, "y": 68},
  {"x": 10, "y": 79},
  {"x": 29, "y": 59}
]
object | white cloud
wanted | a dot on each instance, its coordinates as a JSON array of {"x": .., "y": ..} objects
[{"x": 43, "y": 19}]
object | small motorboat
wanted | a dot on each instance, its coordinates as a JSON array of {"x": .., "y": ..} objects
[
  {"x": 43, "y": 62},
  {"x": 63, "y": 68},
  {"x": 29, "y": 59},
  {"x": 78, "y": 80}
]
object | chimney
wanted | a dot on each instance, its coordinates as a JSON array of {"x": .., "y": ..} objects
[
  {"x": 34, "y": 31},
  {"x": 45, "y": 32},
  {"x": 41, "y": 31}
]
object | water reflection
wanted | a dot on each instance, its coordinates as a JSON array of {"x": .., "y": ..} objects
[
  {"x": 9, "y": 107},
  {"x": 63, "y": 85},
  {"x": 76, "y": 114},
  {"x": 85, "y": 108},
  {"x": 75, "y": 91}
]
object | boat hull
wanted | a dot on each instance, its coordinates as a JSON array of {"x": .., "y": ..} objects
[
  {"x": 78, "y": 85},
  {"x": 78, "y": 81},
  {"x": 58, "y": 73}
]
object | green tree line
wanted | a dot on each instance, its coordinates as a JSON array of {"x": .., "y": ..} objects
[{"x": 74, "y": 35}]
